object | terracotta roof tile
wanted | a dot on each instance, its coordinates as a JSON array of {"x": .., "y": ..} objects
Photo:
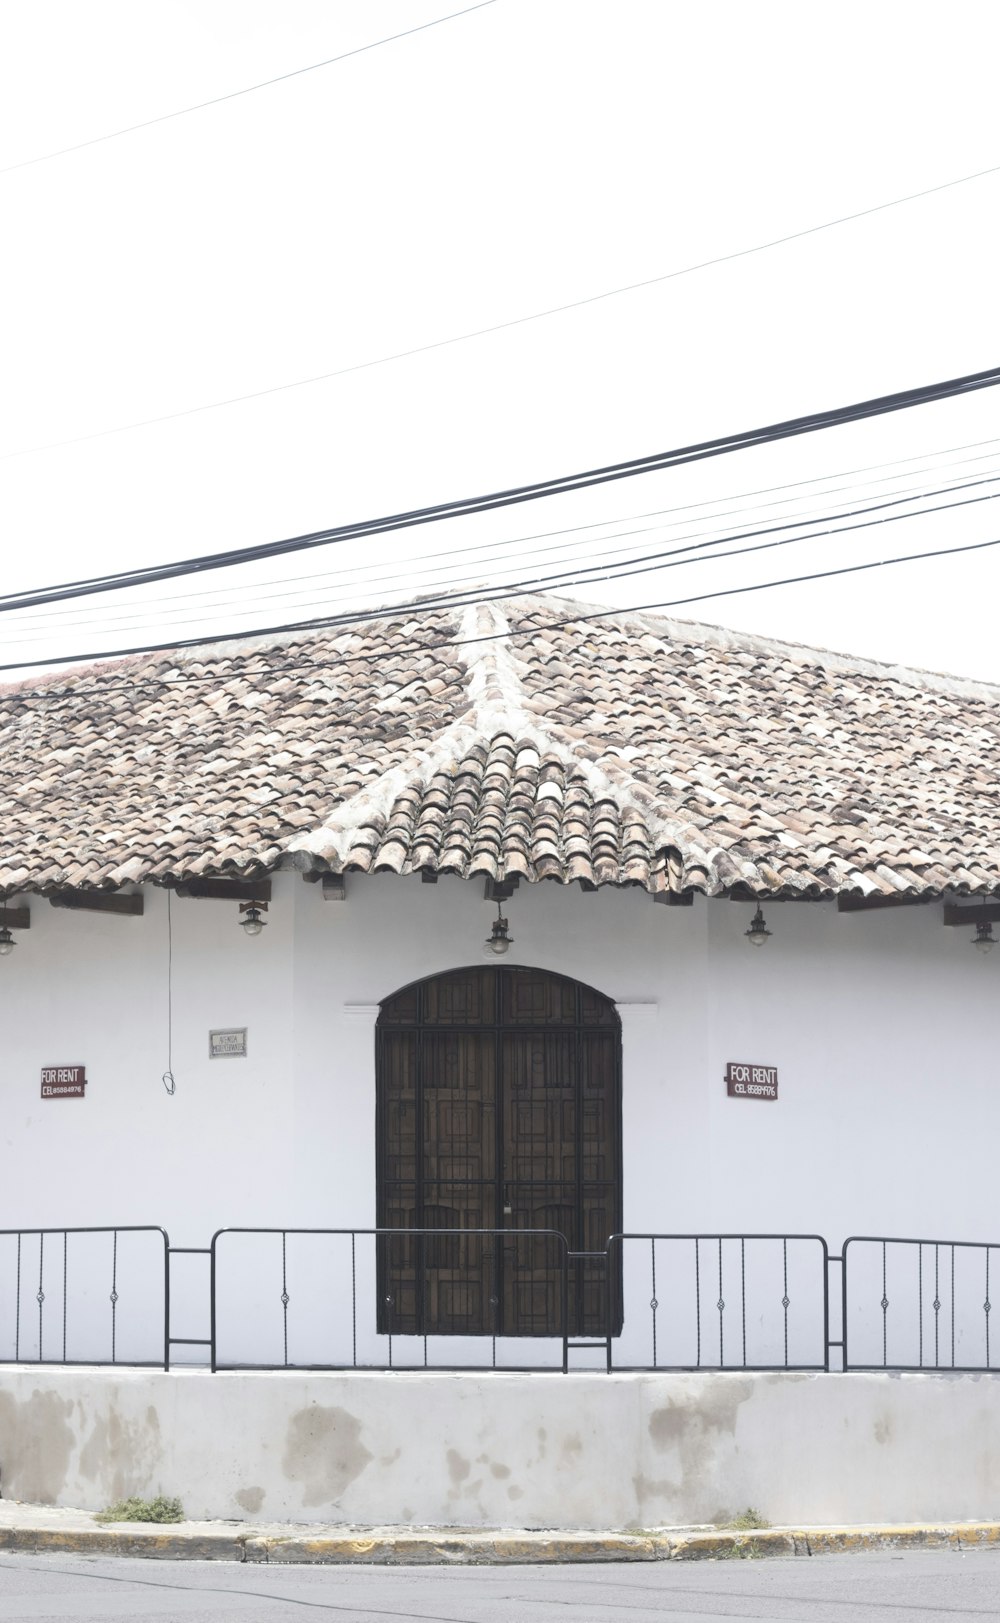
[{"x": 610, "y": 750}]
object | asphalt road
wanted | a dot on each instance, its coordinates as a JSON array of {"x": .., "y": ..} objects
[{"x": 912, "y": 1588}]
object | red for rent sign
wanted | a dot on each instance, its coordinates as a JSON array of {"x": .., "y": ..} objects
[{"x": 63, "y": 1081}]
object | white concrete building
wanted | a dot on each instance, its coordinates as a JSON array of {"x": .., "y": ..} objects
[{"x": 376, "y": 788}]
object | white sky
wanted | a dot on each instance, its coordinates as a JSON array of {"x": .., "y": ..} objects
[{"x": 527, "y": 154}]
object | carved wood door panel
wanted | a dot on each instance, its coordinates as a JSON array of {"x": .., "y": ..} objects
[{"x": 499, "y": 1107}]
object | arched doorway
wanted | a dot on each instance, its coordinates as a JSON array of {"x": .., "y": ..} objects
[{"x": 498, "y": 1107}]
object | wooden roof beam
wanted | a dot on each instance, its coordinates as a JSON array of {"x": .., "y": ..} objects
[
  {"x": 872, "y": 904},
  {"x": 972, "y": 913},
  {"x": 499, "y": 890},
  {"x": 227, "y": 890},
  {"x": 99, "y": 901}
]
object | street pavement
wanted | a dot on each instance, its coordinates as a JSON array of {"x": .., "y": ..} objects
[{"x": 884, "y": 1587}]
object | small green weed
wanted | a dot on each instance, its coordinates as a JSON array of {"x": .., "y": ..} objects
[
  {"x": 142, "y": 1510},
  {"x": 748, "y": 1521}
]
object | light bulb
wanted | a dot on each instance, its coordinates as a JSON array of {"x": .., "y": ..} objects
[
  {"x": 253, "y": 923},
  {"x": 758, "y": 932},
  {"x": 499, "y": 941}
]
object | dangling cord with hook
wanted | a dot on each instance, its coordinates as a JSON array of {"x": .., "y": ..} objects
[{"x": 168, "y": 1075}]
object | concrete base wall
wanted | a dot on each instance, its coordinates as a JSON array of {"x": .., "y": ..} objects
[{"x": 535, "y": 1451}]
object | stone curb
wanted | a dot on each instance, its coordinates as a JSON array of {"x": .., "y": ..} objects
[
  {"x": 176, "y": 1544},
  {"x": 441, "y": 1548}
]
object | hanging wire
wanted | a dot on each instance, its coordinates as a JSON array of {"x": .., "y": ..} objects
[
  {"x": 477, "y": 332},
  {"x": 478, "y": 553},
  {"x": 168, "y": 1075},
  {"x": 577, "y": 570},
  {"x": 296, "y": 73},
  {"x": 517, "y": 495},
  {"x": 582, "y": 575}
]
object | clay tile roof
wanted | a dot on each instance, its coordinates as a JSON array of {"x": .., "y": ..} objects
[{"x": 588, "y": 745}]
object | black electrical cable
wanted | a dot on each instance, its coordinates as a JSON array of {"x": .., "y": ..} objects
[
  {"x": 455, "y": 594},
  {"x": 798, "y": 580},
  {"x": 650, "y": 563},
  {"x": 472, "y": 599},
  {"x": 233, "y": 598},
  {"x": 20, "y": 693},
  {"x": 900, "y": 400},
  {"x": 44, "y": 624}
]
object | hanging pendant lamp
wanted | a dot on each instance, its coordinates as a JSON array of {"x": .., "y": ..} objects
[
  {"x": 984, "y": 940},
  {"x": 758, "y": 932},
  {"x": 499, "y": 941},
  {"x": 252, "y": 923}
]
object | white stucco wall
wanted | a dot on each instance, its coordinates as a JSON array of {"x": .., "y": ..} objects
[
  {"x": 881, "y": 1025},
  {"x": 584, "y": 1451}
]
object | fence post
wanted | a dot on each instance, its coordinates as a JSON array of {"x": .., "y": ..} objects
[
  {"x": 211, "y": 1302},
  {"x": 843, "y": 1303},
  {"x": 609, "y": 1305},
  {"x": 564, "y": 1292},
  {"x": 166, "y": 1299},
  {"x": 825, "y": 1305}
]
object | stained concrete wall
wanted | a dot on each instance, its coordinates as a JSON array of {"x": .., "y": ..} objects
[{"x": 586, "y": 1451}]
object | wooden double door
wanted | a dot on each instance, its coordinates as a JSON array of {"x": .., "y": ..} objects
[{"x": 499, "y": 1109}]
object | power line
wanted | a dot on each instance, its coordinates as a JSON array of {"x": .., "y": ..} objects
[
  {"x": 798, "y": 580},
  {"x": 586, "y": 575},
  {"x": 517, "y": 495},
  {"x": 225, "y": 594},
  {"x": 505, "y": 636},
  {"x": 450, "y": 593},
  {"x": 56, "y": 620},
  {"x": 232, "y": 95},
  {"x": 495, "y": 327},
  {"x": 647, "y": 565}
]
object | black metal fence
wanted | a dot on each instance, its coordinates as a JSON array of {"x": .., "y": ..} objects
[
  {"x": 722, "y": 1301},
  {"x": 371, "y": 1298},
  {"x": 84, "y": 1296},
  {"x": 918, "y": 1304},
  {"x": 389, "y": 1299}
]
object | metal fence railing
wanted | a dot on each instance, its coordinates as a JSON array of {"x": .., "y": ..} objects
[
  {"x": 495, "y": 1299},
  {"x": 389, "y": 1299},
  {"x": 919, "y": 1304},
  {"x": 722, "y": 1301},
  {"x": 84, "y": 1296}
]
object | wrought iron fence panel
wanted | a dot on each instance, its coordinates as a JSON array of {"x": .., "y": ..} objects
[
  {"x": 363, "y": 1298},
  {"x": 919, "y": 1304},
  {"x": 84, "y": 1296},
  {"x": 449, "y": 1298},
  {"x": 721, "y": 1301}
]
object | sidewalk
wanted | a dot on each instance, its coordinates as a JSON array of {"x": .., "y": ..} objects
[{"x": 42, "y": 1528}]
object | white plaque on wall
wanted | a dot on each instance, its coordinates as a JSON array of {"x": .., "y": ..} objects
[{"x": 231, "y": 1044}]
